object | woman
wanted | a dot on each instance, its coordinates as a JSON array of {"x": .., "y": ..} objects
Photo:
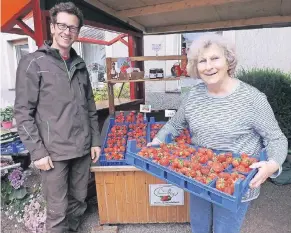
[{"x": 226, "y": 114}]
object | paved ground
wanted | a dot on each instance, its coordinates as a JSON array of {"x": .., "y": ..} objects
[{"x": 271, "y": 213}]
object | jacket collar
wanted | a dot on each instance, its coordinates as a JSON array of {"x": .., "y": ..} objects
[{"x": 46, "y": 47}]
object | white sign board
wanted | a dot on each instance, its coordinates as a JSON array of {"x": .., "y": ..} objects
[
  {"x": 165, "y": 195},
  {"x": 156, "y": 47},
  {"x": 145, "y": 108},
  {"x": 170, "y": 113}
]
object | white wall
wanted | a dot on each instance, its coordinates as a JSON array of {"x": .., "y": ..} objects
[
  {"x": 264, "y": 48},
  {"x": 9, "y": 66},
  {"x": 118, "y": 49}
]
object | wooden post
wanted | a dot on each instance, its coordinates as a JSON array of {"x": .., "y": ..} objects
[{"x": 110, "y": 86}]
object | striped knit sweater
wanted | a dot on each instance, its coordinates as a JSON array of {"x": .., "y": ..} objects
[{"x": 242, "y": 121}]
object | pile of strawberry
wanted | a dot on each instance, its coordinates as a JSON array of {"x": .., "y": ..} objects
[
  {"x": 119, "y": 134},
  {"x": 155, "y": 127},
  {"x": 184, "y": 137},
  {"x": 131, "y": 117},
  {"x": 138, "y": 132},
  {"x": 116, "y": 143},
  {"x": 202, "y": 165}
]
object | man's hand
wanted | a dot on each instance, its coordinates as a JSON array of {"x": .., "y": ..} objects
[
  {"x": 266, "y": 169},
  {"x": 44, "y": 164},
  {"x": 95, "y": 153}
]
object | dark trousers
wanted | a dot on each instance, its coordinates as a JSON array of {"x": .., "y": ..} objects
[{"x": 65, "y": 189}]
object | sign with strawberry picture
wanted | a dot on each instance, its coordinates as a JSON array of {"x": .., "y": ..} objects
[
  {"x": 165, "y": 195},
  {"x": 123, "y": 64}
]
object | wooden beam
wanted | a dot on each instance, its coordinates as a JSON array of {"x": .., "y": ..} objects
[
  {"x": 173, "y": 6},
  {"x": 18, "y": 31},
  {"x": 113, "y": 12},
  {"x": 95, "y": 168},
  {"x": 222, "y": 25},
  {"x": 25, "y": 28}
]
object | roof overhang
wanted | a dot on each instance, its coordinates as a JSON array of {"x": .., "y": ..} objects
[{"x": 173, "y": 16}]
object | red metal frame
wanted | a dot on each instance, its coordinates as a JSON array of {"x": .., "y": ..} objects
[
  {"x": 41, "y": 29},
  {"x": 38, "y": 23},
  {"x": 102, "y": 42},
  {"x": 19, "y": 15},
  {"x": 123, "y": 41},
  {"x": 17, "y": 19},
  {"x": 27, "y": 30},
  {"x": 131, "y": 53}
]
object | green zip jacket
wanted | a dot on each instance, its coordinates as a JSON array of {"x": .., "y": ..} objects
[{"x": 54, "y": 107}]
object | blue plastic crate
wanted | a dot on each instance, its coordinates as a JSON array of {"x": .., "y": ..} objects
[
  {"x": 207, "y": 192},
  {"x": 12, "y": 148},
  {"x": 151, "y": 122},
  {"x": 104, "y": 162}
]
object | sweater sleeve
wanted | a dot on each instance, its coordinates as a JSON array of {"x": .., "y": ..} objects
[{"x": 265, "y": 124}]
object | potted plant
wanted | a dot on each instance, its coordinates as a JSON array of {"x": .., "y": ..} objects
[{"x": 7, "y": 117}]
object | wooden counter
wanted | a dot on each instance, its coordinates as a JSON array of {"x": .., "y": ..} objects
[{"x": 123, "y": 197}]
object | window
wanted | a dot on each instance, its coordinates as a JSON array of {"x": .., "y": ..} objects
[
  {"x": 16, "y": 49},
  {"x": 21, "y": 50}
]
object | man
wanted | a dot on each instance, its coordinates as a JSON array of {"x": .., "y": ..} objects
[{"x": 57, "y": 120}]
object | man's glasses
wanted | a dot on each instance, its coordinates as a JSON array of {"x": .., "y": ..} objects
[{"x": 64, "y": 27}]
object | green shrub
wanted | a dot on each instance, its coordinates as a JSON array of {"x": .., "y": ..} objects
[
  {"x": 277, "y": 87},
  {"x": 102, "y": 93}
]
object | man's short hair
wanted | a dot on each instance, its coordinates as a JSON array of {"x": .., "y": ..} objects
[{"x": 69, "y": 8}]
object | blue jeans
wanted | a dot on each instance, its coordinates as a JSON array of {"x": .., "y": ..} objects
[{"x": 206, "y": 217}]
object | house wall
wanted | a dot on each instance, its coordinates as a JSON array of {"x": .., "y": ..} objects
[
  {"x": 264, "y": 48},
  {"x": 9, "y": 66}
]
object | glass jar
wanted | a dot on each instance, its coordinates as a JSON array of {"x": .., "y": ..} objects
[
  {"x": 153, "y": 73},
  {"x": 160, "y": 73}
]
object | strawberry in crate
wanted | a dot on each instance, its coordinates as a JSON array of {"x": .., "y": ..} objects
[
  {"x": 118, "y": 131},
  {"x": 139, "y": 118},
  {"x": 184, "y": 137},
  {"x": 130, "y": 118},
  {"x": 114, "y": 156},
  {"x": 119, "y": 118},
  {"x": 242, "y": 164}
]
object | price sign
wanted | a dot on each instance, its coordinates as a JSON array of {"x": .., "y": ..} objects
[
  {"x": 170, "y": 113},
  {"x": 145, "y": 108},
  {"x": 156, "y": 47}
]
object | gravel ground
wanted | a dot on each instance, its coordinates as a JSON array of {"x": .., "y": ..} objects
[{"x": 268, "y": 214}]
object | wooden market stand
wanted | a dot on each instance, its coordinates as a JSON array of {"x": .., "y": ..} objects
[{"x": 122, "y": 192}]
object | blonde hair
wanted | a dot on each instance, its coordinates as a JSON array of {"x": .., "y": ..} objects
[{"x": 204, "y": 42}]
